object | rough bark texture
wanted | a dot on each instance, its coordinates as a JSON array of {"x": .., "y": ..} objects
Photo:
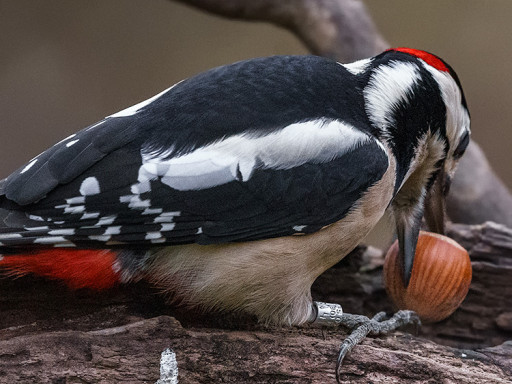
[{"x": 52, "y": 335}]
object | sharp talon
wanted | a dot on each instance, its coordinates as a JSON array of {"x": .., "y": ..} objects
[
  {"x": 361, "y": 326},
  {"x": 357, "y": 335}
]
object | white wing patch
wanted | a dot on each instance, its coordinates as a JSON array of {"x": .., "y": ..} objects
[
  {"x": 90, "y": 215},
  {"x": 28, "y": 166},
  {"x": 114, "y": 230},
  {"x": 50, "y": 240},
  {"x": 389, "y": 86},
  {"x": 9, "y": 236},
  {"x": 95, "y": 125},
  {"x": 130, "y": 111},
  {"x": 72, "y": 142},
  {"x": 166, "y": 217},
  {"x": 236, "y": 157},
  {"x": 90, "y": 186}
]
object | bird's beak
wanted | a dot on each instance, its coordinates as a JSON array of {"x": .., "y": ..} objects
[
  {"x": 407, "y": 231},
  {"x": 408, "y": 228}
]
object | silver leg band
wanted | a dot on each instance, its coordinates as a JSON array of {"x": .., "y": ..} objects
[{"x": 327, "y": 313}]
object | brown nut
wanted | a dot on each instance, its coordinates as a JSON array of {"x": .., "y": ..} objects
[{"x": 440, "y": 277}]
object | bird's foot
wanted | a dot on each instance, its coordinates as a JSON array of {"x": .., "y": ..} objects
[{"x": 360, "y": 325}]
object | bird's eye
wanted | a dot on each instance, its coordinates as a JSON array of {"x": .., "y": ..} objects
[{"x": 461, "y": 148}]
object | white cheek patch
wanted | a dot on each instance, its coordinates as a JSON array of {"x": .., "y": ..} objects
[
  {"x": 236, "y": 157},
  {"x": 389, "y": 86},
  {"x": 457, "y": 117}
]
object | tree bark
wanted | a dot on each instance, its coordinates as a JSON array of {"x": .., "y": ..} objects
[{"x": 130, "y": 354}]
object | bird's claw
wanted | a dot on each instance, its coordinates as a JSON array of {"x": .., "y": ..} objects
[{"x": 362, "y": 326}]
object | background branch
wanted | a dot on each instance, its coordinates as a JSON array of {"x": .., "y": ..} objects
[
  {"x": 477, "y": 194},
  {"x": 340, "y": 29}
]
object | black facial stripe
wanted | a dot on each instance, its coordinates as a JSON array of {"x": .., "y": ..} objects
[
  {"x": 461, "y": 148},
  {"x": 446, "y": 186},
  {"x": 409, "y": 127}
]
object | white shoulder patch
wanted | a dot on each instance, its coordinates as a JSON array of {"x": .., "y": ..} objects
[
  {"x": 389, "y": 85},
  {"x": 357, "y": 67},
  {"x": 236, "y": 157}
]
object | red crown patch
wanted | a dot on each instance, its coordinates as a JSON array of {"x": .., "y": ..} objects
[{"x": 428, "y": 58}]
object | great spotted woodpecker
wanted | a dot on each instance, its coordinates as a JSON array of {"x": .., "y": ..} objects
[{"x": 235, "y": 189}]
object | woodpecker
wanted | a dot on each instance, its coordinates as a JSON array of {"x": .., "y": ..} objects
[{"x": 235, "y": 189}]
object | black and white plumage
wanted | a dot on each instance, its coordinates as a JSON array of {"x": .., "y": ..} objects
[{"x": 206, "y": 187}]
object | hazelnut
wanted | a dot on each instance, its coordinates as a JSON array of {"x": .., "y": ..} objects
[{"x": 440, "y": 277}]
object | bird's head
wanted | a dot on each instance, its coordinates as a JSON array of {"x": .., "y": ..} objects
[{"x": 416, "y": 102}]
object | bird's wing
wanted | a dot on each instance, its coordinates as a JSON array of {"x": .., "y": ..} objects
[
  {"x": 143, "y": 176},
  {"x": 210, "y": 197}
]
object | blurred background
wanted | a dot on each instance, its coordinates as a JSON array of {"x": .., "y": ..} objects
[{"x": 65, "y": 64}]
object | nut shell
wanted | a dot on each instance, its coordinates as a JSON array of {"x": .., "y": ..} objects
[{"x": 440, "y": 278}]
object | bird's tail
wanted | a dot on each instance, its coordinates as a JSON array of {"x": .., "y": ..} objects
[{"x": 83, "y": 268}]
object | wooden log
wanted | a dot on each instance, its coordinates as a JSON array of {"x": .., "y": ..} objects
[{"x": 130, "y": 354}]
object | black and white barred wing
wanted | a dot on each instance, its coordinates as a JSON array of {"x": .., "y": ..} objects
[{"x": 295, "y": 180}]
